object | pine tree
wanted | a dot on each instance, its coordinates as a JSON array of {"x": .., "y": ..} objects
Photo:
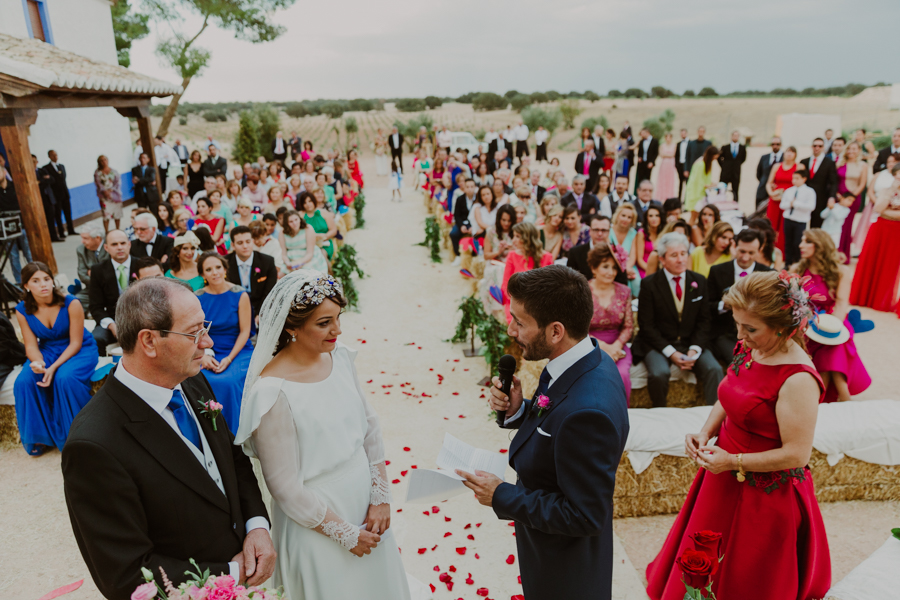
[{"x": 246, "y": 142}]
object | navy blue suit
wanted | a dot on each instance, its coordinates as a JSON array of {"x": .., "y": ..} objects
[{"x": 562, "y": 503}]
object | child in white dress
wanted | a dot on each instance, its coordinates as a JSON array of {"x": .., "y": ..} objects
[
  {"x": 395, "y": 182},
  {"x": 835, "y": 215}
]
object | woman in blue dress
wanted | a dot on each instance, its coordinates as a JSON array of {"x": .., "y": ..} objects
[
  {"x": 227, "y": 306},
  {"x": 55, "y": 382}
]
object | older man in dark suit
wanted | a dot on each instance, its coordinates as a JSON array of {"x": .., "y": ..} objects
[
  {"x": 57, "y": 172},
  {"x": 149, "y": 241},
  {"x": 214, "y": 164},
  {"x": 766, "y": 162},
  {"x": 674, "y": 323},
  {"x": 588, "y": 164},
  {"x": 822, "y": 179},
  {"x": 109, "y": 279},
  {"x": 731, "y": 157},
  {"x": 587, "y": 203}
]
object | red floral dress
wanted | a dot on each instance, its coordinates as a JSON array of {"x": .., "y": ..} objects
[{"x": 773, "y": 537}]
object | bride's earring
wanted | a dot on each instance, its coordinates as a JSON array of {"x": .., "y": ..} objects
[{"x": 293, "y": 337}]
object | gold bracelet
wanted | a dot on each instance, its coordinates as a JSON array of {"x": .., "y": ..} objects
[{"x": 741, "y": 477}]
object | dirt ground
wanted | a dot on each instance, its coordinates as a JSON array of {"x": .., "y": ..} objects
[{"x": 408, "y": 310}]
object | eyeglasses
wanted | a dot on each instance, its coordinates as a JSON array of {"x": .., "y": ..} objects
[{"x": 197, "y": 336}]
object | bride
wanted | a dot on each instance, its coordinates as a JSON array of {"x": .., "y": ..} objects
[{"x": 304, "y": 416}]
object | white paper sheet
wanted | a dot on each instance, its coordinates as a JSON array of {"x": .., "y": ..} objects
[{"x": 436, "y": 485}]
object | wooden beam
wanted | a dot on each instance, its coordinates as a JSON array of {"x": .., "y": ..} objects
[
  {"x": 134, "y": 112},
  {"x": 93, "y": 100},
  {"x": 14, "y": 131},
  {"x": 148, "y": 147}
]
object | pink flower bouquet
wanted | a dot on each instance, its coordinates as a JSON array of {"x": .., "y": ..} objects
[{"x": 201, "y": 586}]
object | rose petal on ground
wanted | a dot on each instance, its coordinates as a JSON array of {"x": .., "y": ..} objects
[
  {"x": 461, "y": 551},
  {"x": 444, "y": 578},
  {"x": 446, "y": 519},
  {"x": 403, "y": 473},
  {"x": 387, "y": 462},
  {"x": 406, "y": 448},
  {"x": 469, "y": 579},
  {"x": 476, "y": 555},
  {"x": 482, "y": 591},
  {"x": 448, "y": 534},
  {"x": 503, "y": 450},
  {"x": 467, "y": 526},
  {"x": 435, "y": 509},
  {"x": 437, "y": 568},
  {"x": 452, "y": 569},
  {"x": 510, "y": 559},
  {"x": 395, "y": 481},
  {"x": 433, "y": 548},
  {"x": 471, "y": 537},
  {"x": 431, "y": 585},
  {"x": 423, "y": 550}
]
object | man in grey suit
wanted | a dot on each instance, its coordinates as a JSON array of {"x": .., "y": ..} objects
[
  {"x": 89, "y": 254},
  {"x": 695, "y": 150},
  {"x": 763, "y": 168}
]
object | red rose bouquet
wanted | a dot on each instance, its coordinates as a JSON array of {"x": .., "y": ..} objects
[{"x": 699, "y": 564}]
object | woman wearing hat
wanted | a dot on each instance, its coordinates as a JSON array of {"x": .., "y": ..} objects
[
  {"x": 184, "y": 261},
  {"x": 831, "y": 335},
  {"x": 753, "y": 500}
]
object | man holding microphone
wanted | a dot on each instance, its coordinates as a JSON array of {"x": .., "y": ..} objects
[{"x": 571, "y": 436}]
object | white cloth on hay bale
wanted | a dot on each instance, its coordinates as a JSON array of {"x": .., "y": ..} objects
[
  {"x": 876, "y": 578},
  {"x": 638, "y": 375},
  {"x": 867, "y": 430}
]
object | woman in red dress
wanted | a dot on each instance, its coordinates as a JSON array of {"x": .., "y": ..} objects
[
  {"x": 754, "y": 485},
  {"x": 528, "y": 253},
  {"x": 780, "y": 179},
  {"x": 353, "y": 167},
  {"x": 877, "y": 276}
]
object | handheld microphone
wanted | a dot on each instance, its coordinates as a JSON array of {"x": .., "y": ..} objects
[{"x": 507, "y": 369}]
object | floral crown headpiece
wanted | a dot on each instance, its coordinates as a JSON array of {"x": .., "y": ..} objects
[
  {"x": 798, "y": 300},
  {"x": 315, "y": 292}
]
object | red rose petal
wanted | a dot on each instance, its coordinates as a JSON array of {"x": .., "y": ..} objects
[
  {"x": 520, "y": 579},
  {"x": 469, "y": 579},
  {"x": 518, "y": 597},
  {"x": 444, "y": 578},
  {"x": 433, "y": 548},
  {"x": 395, "y": 481},
  {"x": 387, "y": 462},
  {"x": 435, "y": 509},
  {"x": 452, "y": 569},
  {"x": 467, "y": 526},
  {"x": 471, "y": 537},
  {"x": 449, "y": 586},
  {"x": 477, "y": 524},
  {"x": 423, "y": 550},
  {"x": 406, "y": 448},
  {"x": 503, "y": 451},
  {"x": 431, "y": 585},
  {"x": 510, "y": 559},
  {"x": 403, "y": 473},
  {"x": 446, "y": 519},
  {"x": 476, "y": 555},
  {"x": 482, "y": 591},
  {"x": 437, "y": 568},
  {"x": 448, "y": 534},
  {"x": 399, "y": 510},
  {"x": 461, "y": 551},
  {"x": 370, "y": 381},
  {"x": 462, "y": 416},
  {"x": 414, "y": 467},
  {"x": 456, "y": 393},
  {"x": 511, "y": 524}
]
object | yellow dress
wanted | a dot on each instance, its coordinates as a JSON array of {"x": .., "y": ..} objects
[
  {"x": 699, "y": 264},
  {"x": 696, "y": 184}
]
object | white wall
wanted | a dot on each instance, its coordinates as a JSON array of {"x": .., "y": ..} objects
[{"x": 12, "y": 18}]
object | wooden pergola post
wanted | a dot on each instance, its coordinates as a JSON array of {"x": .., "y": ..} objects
[
  {"x": 142, "y": 115},
  {"x": 14, "y": 125}
]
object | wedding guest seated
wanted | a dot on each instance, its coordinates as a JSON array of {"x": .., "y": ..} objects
[
  {"x": 89, "y": 253},
  {"x": 716, "y": 248},
  {"x": 245, "y": 214},
  {"x": 612, "y": 324},
  {"x": 623, "y": 232},
  {"x": 176, "y": 201},
  {"x": 182, "y": 222},
  {"x": 271, "y": 222},
  {"x": 147, "y": 266},
  {"x": 320, "y": 220},
  {"x": 709, "y": 216},
  {"x": 299, "y": 244},
  {"x": 164, "y": 216},
  {"x": 109, "y": 279},
  {"x": 497, "y": 246},
  {"x": 721, "y": 277},
  {"x": 254, "y": 271},
  {"x": 266, "y": 244},
  {"x": 227, "y": 307},
  {"x": 183, "y": 264},
  {"x": 201, "y": 230},
  {"x": 213, "y": 222},
  {"x": 574, "y": 232},
  {"x": 833, "y": 352},
  {"x": 527, "y": 253},
  {"x": 770, "y": 255},
  {"x": 578, "y": 256},
  {"x": 672, "y": 209},
  {"x": 551, "y": 231},
  {"x": 586, "y": 202},
  {"x": 56, "y": 381},
  {"x": 674, "y": 322},
  {"x": 645, "y": 243},
  {"x": 677, "y": 227},
  {"x": 149, "y": 241}
]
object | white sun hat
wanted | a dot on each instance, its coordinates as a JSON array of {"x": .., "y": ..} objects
[{"x": 828, "y": 330}]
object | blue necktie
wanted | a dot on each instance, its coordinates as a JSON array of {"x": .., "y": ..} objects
[
  {"x": 183, "y": 418},
  {"x": 543, "y": 383}
]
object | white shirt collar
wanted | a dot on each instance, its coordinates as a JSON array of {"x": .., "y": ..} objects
[
  {"x": 738, "y": 270},
  {"x": 157, "y": 397},
  {"x": 670, "y": 278},
  {"x": 245, "y": 263},
  {"x": 561, "y": 363}
]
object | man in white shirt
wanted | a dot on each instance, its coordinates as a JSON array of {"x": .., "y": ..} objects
[
  {"x": 674, "y": 323},
  {"x": 619, "y": 194},
  {"x": 829, "y": 139},
  {"x": 681, "y": 159},
  {"x": 490, "y": 136},
  {"x": 540, "y": 140},
  {"x": 211, "y": 142},
  {"x": 164, "y": 157},
  {"x": 766, "y": 162},
  {"x": 521, "y": 133},
  {"x": 182, "y": 151},
  {"x": 108, "y": 280},
  {"x": 797, "y": 203},
  {"x": 149, "y": 479},
  {"x": 445, "y": 139},
  {"x": 279, "y": 148},
  {"x": 894, "y": 148}
]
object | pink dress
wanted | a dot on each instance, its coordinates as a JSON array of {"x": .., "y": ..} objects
[
  {"x": 842, "y": 358},
  {"x": 516, "y": 263},
  {"x": 649, "y": 247},
  {"x": 613, "y": 323},
  {"x": 667, "y": 180}
]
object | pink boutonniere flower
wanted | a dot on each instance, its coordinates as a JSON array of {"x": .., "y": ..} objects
[
  {"x": 256, "y": 270},
  {"x": 543, "y": 403},
  {"x": 211, "y": 409},
  {"x": 694, "y": 285}
]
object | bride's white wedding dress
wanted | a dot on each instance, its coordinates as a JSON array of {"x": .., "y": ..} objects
[{"x": 322, "y": 456}]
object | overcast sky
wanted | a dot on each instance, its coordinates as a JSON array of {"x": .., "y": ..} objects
[{"x": 395, "y": 48}]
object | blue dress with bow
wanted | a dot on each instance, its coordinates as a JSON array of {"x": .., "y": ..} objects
[{"x": 44, "y": 414}]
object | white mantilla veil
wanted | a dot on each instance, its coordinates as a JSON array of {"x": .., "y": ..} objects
[{"x": 272, "y": 316}]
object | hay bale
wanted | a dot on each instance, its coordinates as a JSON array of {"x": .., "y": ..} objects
[
  {"x": 681, "y": 395},
  {"x": 9, "y": 427},
  {"x": 662, "y": 488}
]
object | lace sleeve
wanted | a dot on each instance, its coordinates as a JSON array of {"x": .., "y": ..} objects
[
  {"x": 275, "y": 443},
  {"x": 381, "y": 491}
]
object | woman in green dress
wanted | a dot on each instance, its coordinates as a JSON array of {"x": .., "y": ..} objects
[
  {"x": 298, "y": 244},
  {"x": 320, "y": 220},
  {"x": 699, "y": 181},
  {"x": 330, "y": 201},
  {"x": 184, "y": 261}
]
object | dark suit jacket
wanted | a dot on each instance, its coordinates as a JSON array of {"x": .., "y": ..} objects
[
  {"x": 138, "y": 497},
  {"x": 652, "y": 150},
  {"x": 58, "y": 181},
  {"x": 599, "y": 145},
  {"x": 145, "y": 189},
  {"x": 263, "y": 277},
  {"x": 284, "y": 144},
  {"x": 540, "y": 193},
  {"x": 593, "y": 169},
  {"x": 721, "y": 277},
  {"x": 881, "y": 160},
  {"x": 824, "y": 182},
  {"x": 496, "y": 145},
  {"x": 731, "y": 165},
  {"x": 678, "y": 164},
  {"x": 589, "y": 204},
  {"x": 461, "y": 211},
  {"x": 658, "y": 321},
  {"x": 762, "y": 174},
  {"x": 695, "y": 151},
  {"x": 103, "y": 290},
  {"x": 296, "y": 145},
  {"x": 562, "y": 503},
  {"x": 577, "y": 259},
  {"x": 391, "y": 142},
  {"x": 219, "y": 166},
  {"x": 640, "y": 212},
  {"x": 162, "y": 246}
]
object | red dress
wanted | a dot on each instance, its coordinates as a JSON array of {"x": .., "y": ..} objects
[
  {"x": 774, "y": 544},
  {"x": 782, "y": 181},
  {"x": 877, "y": 275}
]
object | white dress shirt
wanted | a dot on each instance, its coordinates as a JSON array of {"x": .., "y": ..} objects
[
  {"x": 560, "y": 365},
  {"x": 735, "y": 148},
  {"x": 645, "y": 145},
  {"x": 738, "y": 274},
  {"x": 522, "y": 132},
  {"x": 605, "y": 206},
  {"x": 444, "y": 139},
  {"x": 682, "y": 151},
  {"x": 797, "y": 203},
  {"x": 669, "y": 350},
  {"x": 158, "y": 399},
  {"x": 540, "y": 136},
  {"x": 396, "y": 138},
  {"x": 107, "y": 321},
  {"x": 244, "y": 271}
]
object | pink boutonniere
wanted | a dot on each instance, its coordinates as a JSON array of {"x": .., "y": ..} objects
[
  {"x": 256, "y": 270},
  {"x": 211, "y": 409},
  {"x": 543, "y": 403},
  {"x": 694, "y": 285}
]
